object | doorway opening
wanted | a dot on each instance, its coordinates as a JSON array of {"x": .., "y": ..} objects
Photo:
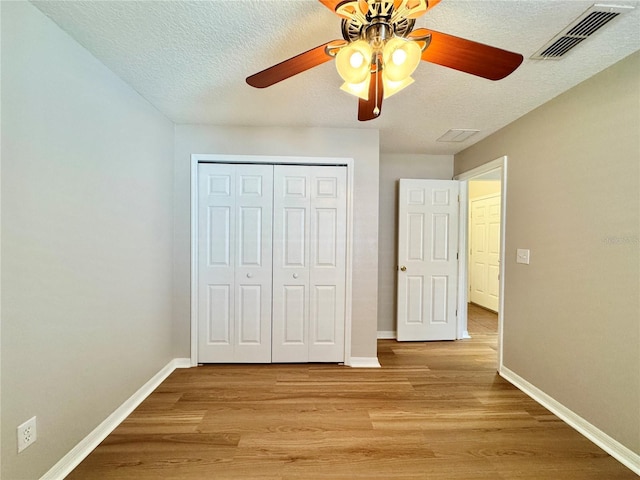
[
  {"x": 481, "y": 246},
  {"x": 483, "y": 265}
]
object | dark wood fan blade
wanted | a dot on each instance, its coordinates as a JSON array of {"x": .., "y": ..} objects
[
  {"x": 412, "y": 9},
  {"x": 468, "y": 56},
  {"x": 432, "y": 3},
  {"x": 371, "y": 108},
  {"x": 293, "y": 66},
  {"x": 331, "y": 4}
]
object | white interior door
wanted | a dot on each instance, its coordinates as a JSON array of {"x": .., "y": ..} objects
[
  {"x": 427, "y": 259},
  {"x": 309, "y": 266},
  {"x": 484, "y": 252},
  {"x": 235, "y": 263}
]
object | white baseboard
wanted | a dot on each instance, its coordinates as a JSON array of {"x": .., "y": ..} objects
[
  {"x": 182, "y": 363},
  {"x": 614, "y": 448},
  {"x": 387, "y": 335},
  {"x": 364, "y": 362},
  {"x": 78, "y": 453}
]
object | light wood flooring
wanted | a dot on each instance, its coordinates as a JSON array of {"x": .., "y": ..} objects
[
  {"x": 481, "y": 321},
  {"x": 434, "y": 411}
]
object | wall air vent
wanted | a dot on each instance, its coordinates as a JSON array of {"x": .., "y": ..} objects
[{"x": 596, "y": 17}]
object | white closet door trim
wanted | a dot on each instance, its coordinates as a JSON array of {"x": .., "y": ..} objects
[{"x": 274, "y": 160}]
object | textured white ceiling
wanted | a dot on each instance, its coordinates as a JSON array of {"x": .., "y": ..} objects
[{"x": 190, "y": 59}]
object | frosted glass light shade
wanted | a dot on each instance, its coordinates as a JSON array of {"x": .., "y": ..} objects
[
  {"x": 401, "y": 57},
  {"x": 360, "y": 90},
  {"x": 353, "y": 62},
  {"x": 391, "y": 87}
]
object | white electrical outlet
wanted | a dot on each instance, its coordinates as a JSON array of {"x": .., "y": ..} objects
[{"x": 27, "y": 434}]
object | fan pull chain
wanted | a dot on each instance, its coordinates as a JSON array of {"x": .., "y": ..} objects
[{"x": 376, "y": 110}]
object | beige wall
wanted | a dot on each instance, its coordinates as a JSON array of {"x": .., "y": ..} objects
[
  {"x": 571, "y": 323},
  {"x": 87, "y": 169},
  {"x": 392, "y": 168},
  {"x": 359, "y": 144}
]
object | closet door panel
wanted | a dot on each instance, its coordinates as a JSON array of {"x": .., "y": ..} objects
[
  {"x": 293, "y": 237},
  {"x": 294, "y": 303},
  {"x": 324, "y": 314},
  {"x": 327, "y": 269},
  {"x": 219, "y": 319},
  {"x": 253, "y": 282},
  {"x": 216, "y": 254},
  {"x": 291, "y": 263},
  {"x": 234, "y": 272},
  {"x": 249, "y": 315}
]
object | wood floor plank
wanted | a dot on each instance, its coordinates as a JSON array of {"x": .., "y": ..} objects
[
  {"x": 170, "y": 421},
  {"x": 258, "y": 418},
  {"x": 434, "y": 411}
]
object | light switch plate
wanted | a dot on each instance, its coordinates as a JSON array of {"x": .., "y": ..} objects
[{"x": 522, "y": 255}]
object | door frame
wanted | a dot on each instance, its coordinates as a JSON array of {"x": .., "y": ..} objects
[
  {"x": 463, "y": 239},
  {"x": 269, "y": 160}
]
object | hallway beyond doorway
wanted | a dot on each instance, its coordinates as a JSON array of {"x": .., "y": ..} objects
[{"x": 481, "y": 321}]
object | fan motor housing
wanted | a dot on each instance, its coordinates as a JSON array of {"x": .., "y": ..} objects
[{"x": 353, "y": 29}]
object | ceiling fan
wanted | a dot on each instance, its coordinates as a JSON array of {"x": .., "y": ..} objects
[{"x": 380, "y": 50}]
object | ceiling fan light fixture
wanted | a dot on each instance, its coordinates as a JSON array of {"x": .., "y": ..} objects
[
  {"x": 353, "y": 62},
  {"x": 391, "y": 87},
  {"x": 380, "y": 50},
  {"x": 360, "y": 90},
  {"x": 356, "y": 60},
  {"x": 400, "y": 58}
]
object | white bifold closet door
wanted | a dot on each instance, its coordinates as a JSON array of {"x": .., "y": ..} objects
[
  {"x": 234, "y": 271},
  {"x": 309, "y": 232},
  {"x": 272, "y": 266}
]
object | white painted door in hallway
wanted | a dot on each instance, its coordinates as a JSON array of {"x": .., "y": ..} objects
[
  {"x": 427, "y": 259},
  {"x": 484, "y": 252}
]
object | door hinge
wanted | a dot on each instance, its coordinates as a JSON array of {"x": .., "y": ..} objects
[{"x": 457, "y": 256}]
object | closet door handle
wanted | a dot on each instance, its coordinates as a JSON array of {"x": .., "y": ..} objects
[
  {"x": 249, "y": 275},
  {"x": 295, "y": 275}
]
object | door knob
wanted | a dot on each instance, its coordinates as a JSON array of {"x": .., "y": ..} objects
[
  {"x": 295, "y": 275},
  {"x": 249, "y": 275},
  {"x": 403, "y": 268}
]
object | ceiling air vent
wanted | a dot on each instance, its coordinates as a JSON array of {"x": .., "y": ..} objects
[
  {"x": 582, "y": 27},
  {"x": 457, "y": 135}
]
